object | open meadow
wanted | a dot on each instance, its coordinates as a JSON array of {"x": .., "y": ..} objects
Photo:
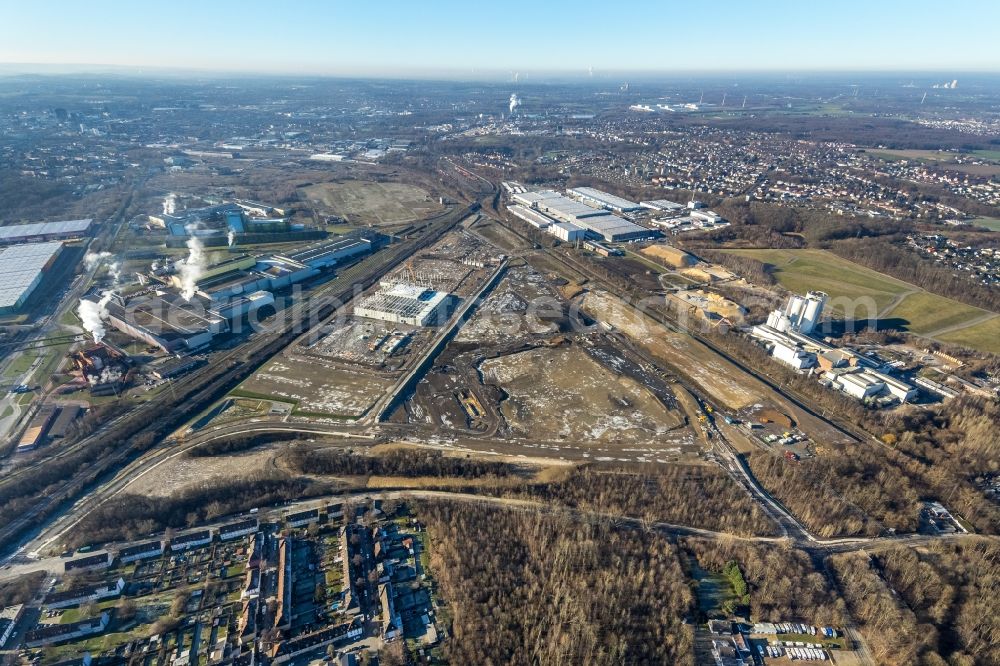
[
  {"x": 899, "y": 304},
  {"x": 367, "y": 203}
]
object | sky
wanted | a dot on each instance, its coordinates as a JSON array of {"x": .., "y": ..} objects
[{"x": 472, "y": 39}]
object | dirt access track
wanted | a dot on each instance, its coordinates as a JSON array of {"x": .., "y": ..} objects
[{"x": 716, "y": 377}]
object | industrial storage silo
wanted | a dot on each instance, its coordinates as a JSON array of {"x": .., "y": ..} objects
[
  {"x": 793, "y": 309},
  {"x": 813, "y": 309}
]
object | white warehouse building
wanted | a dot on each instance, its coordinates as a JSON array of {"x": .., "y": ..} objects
[
  {"x": 859, "y": 385},
  {"x": 567, "y": 231},
  {"x": 794, "y": 356},
  {"x": 897, "y": 388},
  {"x": 601, "y": 199},
  {"x": 532, "y": 217},
  {"x": 599, "y": 222}
]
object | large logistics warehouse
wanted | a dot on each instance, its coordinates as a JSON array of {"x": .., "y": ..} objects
[
  {"x": 44, "y": 231},
  {"x": 599, "y": 222},
  {"x": 601, "y": 199},
  {"x": 614, "y": 229},
  {"x": 532, "y": 217},
  {"x": 22, "y": 269}
]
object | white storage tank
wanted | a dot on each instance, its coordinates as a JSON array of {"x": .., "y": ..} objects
[{"x": 812, "y": 309}]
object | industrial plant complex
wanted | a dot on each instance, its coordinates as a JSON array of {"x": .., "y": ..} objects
[
  {"x": 788, "y": 335},
  {"x": 224, "y": 293}
]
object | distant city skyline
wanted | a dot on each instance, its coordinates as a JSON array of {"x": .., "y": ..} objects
[{"x": 469, "y": 40}]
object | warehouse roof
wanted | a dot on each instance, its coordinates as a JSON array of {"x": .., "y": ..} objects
[
  {"x": 20, "y": 267},
  {"x": 529, "y": 198},
  {"x": 15, "y": 232},
  {"x": 661, "y": 204},
  {"x": 531, "y": 216},
  {"x": 611, "y": 226},
  {"x": 569, "y": 208},
  {"x": 605, "y": 198},
  {"x": 319, "y": 251},
  {"x": 402, "y": 300},
  {"x": 859, "y": 379},
  {"x": 159, "y": 314}
]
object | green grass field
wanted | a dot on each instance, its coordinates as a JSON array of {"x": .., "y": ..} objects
[
  {"x": 20, "y": 364},
  {"x": 991, "y": 223},
  {"x": 984, "y": 335},
  {"x": 920, "y": 312},
  {"x": 987, "y": 154},
  {"x": 925, "y": 312},
  {"x": 806, "y": 270},
  {"x": 890, "y": 155}
]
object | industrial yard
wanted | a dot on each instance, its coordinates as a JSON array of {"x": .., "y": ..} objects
[{"x": 712, "y": 373}]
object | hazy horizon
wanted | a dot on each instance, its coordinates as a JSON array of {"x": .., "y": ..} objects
[
  {"x": 732, "y": 76},
  {"x": 563, "y": 39}
]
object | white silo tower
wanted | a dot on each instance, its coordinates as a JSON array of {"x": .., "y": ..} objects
[
  {"x": 794, "y": 308},
  {"x": 813, "y": 308}
]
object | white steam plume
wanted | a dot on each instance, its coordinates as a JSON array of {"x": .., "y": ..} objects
[
  {"x": 92, "y": 259},
  {"x": 515, "y": 102},
  {"x": 169, "y": 204},
  {"x": 92, "y": 315},
  {"x": 107, "y": 376},
  {"x": 192, "y": 268},
  {"x": 231, "y": 238}
]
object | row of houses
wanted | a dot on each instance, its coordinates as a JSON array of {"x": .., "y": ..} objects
[
  {"x": 156, "y": 548},
  {"x": 50, "y": 634},
  {"x": 86, "y": 594},
  {"x": 9, "y": 618}
]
